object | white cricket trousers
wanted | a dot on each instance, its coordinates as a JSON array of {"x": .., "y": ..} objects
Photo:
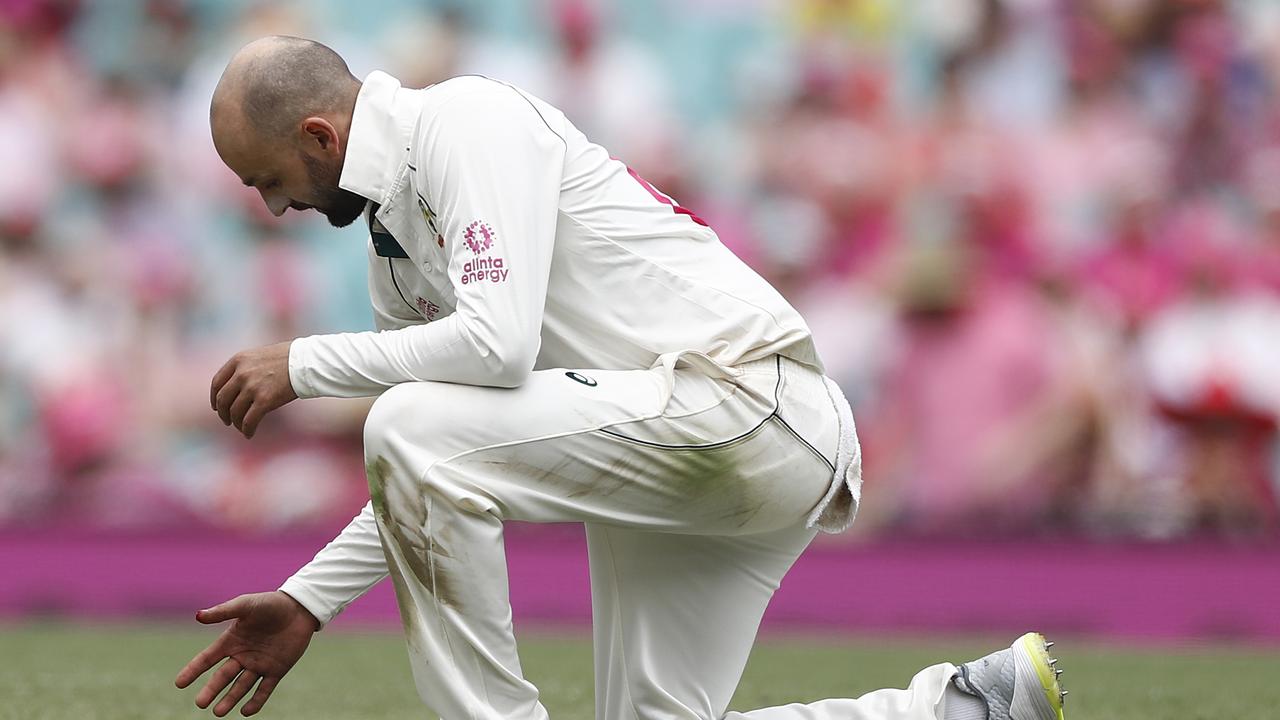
[{"x": 694, "y": 486}]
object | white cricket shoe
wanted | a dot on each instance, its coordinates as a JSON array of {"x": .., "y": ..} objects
[{"x": 1020, "y": 683}]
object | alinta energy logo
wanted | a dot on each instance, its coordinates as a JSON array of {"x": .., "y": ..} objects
[{"x": 480, "y": 237}]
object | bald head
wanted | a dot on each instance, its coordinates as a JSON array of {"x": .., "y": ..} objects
[
  {"x": 272, "y": 83},
  {"x": 280, "y": 117}
]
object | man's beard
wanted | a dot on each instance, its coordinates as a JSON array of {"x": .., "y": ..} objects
[{"x": 341, "y": 207}]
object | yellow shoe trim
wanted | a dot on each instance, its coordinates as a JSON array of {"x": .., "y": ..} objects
[{"x": 1033, "y": 643}]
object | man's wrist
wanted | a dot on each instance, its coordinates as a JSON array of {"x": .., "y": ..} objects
[
  {"x": 302, "y": 609},
  {"x": 299, "y": 357}
]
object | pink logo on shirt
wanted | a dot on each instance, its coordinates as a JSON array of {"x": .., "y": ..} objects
[
  {"x": 428, "y": 309},
  {"x": 485, "y": 267},
  {"x": 479, "y": 236}
]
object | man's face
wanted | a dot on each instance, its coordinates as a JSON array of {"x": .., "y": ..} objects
[
  {"x": 291, "y": 177},
  {"x": 340, "y": 206}
]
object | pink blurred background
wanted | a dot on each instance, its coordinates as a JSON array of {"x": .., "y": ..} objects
[{"x": 1038, "y": 242}]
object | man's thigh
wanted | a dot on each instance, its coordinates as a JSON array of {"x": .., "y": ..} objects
[
  {"x": 607, "y": 446},
  {"x": 450, "y": 420}
]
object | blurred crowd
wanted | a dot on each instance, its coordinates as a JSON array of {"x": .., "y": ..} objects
[{"x": 1038, "y": 242}]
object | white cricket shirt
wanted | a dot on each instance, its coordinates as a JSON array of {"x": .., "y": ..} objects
[{"x": 504, "y": 241}]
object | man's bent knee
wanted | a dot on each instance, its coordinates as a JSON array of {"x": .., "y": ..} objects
[
  {"x": 400, "y": 407},
  {"x": 410, "y": 428},
  {"x": 392, "y": 412}
]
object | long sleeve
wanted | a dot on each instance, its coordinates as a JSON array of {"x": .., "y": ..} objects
[
  {"x": 342, "y": 571},
  {"x": 492, "y": 169}
]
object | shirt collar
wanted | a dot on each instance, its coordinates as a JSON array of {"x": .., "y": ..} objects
[{"x": 382, "y": 128}]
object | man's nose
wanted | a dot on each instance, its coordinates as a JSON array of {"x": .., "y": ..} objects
[{"x": 275, "y": 203}]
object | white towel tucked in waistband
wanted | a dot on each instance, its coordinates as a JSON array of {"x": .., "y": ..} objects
[{"x": 836, "y": 511}]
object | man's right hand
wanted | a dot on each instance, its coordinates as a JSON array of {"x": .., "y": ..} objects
[{"x": 269, "y": 632}]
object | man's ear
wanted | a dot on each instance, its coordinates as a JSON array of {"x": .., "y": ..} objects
[{"x": 321, "y": 134}]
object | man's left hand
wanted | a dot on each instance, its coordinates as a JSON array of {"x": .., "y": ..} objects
[{"x": 250, "y": 385}]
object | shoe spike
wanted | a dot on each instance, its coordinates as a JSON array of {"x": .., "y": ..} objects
[
  {"x": 1048, "y": 644},
  {"x": 1053, "y": 661}
]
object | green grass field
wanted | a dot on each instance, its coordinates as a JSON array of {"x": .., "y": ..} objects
[{"x": 92, "y": 672}]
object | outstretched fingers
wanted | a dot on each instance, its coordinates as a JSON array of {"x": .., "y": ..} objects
[
  {"x": 260, "y": 696},
  {"x": 200, "y": 664},
  {"x": 220, "y": 679},
  {"x": 243, "y": 684}
]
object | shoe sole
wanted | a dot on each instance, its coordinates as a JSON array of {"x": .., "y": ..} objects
[{"x": 1032, "y": 650}]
